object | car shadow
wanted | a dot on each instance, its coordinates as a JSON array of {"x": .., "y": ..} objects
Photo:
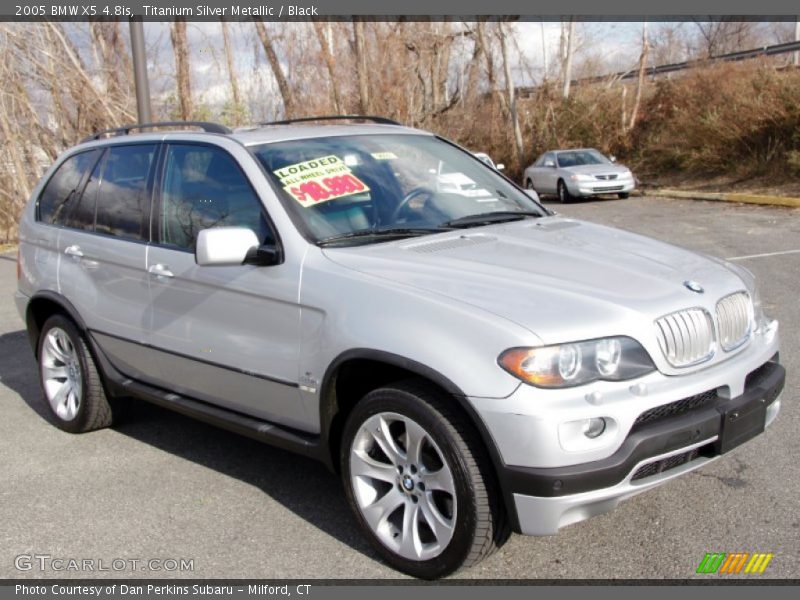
[{"x": 296, "y": 482}]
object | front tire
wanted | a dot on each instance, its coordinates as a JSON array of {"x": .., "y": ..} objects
[
  {"x": 70, "y": 381},
  {"x": 563, "y": 192},
  {"x": 416, "y": 477},
  {"x": 623, "y": 195}
]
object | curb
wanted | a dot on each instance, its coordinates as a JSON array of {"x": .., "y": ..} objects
[{"x": 728, "y": 197}]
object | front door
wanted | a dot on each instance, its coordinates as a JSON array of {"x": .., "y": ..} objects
[{"x": 226, "y": 335}]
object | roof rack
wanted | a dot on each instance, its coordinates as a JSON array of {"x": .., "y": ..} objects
[
  {"x": 381, "y": 120},
  {"x": 204, "y": 125}
]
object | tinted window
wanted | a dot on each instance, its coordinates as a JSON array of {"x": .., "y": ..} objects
[
  {"x": 123, "y": 204},
  {"x": 62, "y": 189},
  {"x": 203, "y": 187},
  {"x": 81, "y": 213}
]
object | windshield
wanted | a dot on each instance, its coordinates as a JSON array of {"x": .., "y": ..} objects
[
  {"x": 576, "y": 158},
  {"x": 340, "y": 186}
]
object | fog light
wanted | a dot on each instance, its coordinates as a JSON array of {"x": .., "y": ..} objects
[{"x": 593, "y": 428}]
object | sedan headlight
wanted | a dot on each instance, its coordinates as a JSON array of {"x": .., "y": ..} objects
[
  {"x": 581, "y": 177},
  {"x": 568, "y": 365}
]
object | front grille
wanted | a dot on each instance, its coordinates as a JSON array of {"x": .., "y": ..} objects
[
  {"x": 673, "y": 409},
  {"x": 686, "y": 337},
  {"x": 616, "y": 188},
  {"x": 734, "y": 320},
  {"x": 612, "y": 176},
  {"x": 665, "y": 464}
]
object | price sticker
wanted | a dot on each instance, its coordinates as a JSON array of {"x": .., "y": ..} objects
[{"x": 316, "y": 181}]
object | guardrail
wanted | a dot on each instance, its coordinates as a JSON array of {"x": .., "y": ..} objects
[{"x": 775, "y": 49}]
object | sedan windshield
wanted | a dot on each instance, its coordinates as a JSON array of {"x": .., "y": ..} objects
[
  {"x": 371, "y": 188},
  {"x": 576, "y": 158}
]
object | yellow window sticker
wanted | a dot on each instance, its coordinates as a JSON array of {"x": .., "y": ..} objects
[
  {"x": 384, "y": 155},
  {"x": 319, "y": 180}
]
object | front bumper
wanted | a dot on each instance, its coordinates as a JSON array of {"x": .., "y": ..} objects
[
  {"x": 548, "y": 499},
  {"x": 595, "y": 188}
]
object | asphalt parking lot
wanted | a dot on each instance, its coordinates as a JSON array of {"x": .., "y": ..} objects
[{"x": 159, "y": 485}]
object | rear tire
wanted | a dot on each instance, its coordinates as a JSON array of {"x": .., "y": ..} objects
[
  {"x": 70, "y": 381},
  {"x": 417, "y": 478},
  {"x": 563, "y": 192}
]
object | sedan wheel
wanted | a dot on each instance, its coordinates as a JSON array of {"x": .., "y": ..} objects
[
  {"x": 417, "y": 478},
  {"x": 563, "y": 193}
]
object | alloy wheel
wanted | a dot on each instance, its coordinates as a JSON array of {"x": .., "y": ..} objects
[
  {"x": 403, "y": 486},
  {"x": 61, "y": 374}
]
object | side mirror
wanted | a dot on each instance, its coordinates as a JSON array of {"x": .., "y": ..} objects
[
  {"x": 550, "y": 163},
  {"x": 225, "y": 246},
  {"x": 612, "y": 158},
  {"x": 499, "y": 166}
]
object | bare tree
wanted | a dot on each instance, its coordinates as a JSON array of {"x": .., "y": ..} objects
[
  {"x": 640, "y": 81},
  {"x": 723, "y": 36},
  {"x": 327, "y": 56},
  {"x": 234, "y": 80},
  {"x": 277, "y": 71},
  {"x": 183, "y": 78},
  {"x": 568, "y": 35},
  {"x": 360, "y": 49},
  {"x": 512, "y": 100}
]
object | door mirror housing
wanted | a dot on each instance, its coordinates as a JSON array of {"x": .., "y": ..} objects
[
  {"x": 499, "y": 166},
  {"x": 550, "y": 163},
  {"x": 225, "y": 246},
  {"x": 612, "y": 158}
]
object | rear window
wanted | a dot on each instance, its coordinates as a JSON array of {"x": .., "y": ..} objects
[{"x": 62, "y": 190}]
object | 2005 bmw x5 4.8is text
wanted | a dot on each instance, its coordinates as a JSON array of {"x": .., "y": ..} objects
[{"x": 468, "y": 361}]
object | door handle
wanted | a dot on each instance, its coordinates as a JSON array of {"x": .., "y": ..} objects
[
  {"x": 160, "y": 270},
  {"x": 74, "y": 251}
]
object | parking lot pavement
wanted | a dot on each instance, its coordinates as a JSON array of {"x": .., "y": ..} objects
[{"x": 159, "y": 485}]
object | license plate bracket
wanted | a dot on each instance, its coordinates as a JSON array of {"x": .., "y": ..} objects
[{"x": 741, "y": 423}]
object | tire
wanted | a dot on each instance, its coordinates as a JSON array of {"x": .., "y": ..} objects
[
  {"x": 469, "y": 519},
  {"x": 73, "y": 390},
  {"x": 563, "y": 192},
  {"x": 623, "y": 195}
]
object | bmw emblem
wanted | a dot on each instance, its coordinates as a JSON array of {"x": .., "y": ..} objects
[{"x": 693, "y": 286}]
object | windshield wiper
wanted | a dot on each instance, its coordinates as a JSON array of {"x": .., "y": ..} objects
[
  {"x": 499, "y": 216},
  {"x": 379, "y": 233}
]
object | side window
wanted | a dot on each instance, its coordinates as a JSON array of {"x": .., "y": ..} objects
[
  {"x": 81, "y": 215},
  {"x": 56, "y": 199},
  {"x": 203, "y": 187},
  {"x": 123, "y": 204}
]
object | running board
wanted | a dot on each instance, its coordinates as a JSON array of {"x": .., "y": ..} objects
[{"x": 257, "y": 429}]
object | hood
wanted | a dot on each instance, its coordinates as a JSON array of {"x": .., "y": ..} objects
[
  {"x": 598, "y": 169},
  {"x": 560, "y": 278}
]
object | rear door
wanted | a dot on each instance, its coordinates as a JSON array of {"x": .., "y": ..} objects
[
  {"x": 41, "y": 249},
  {"x": 104, "y": 249},
  {"x": 226, "y": 335}
]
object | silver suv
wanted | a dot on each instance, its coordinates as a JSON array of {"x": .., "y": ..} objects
[{"x": 468, "y": 361}]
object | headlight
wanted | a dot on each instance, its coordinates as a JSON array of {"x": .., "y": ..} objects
[
  {"x": 581, "y": 177},
  {"x": 568, "y": 365}
]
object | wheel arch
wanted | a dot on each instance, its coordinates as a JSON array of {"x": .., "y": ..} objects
[
  {"x": 386, "y": 367},
  {"x": 43, "y": 305}
]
